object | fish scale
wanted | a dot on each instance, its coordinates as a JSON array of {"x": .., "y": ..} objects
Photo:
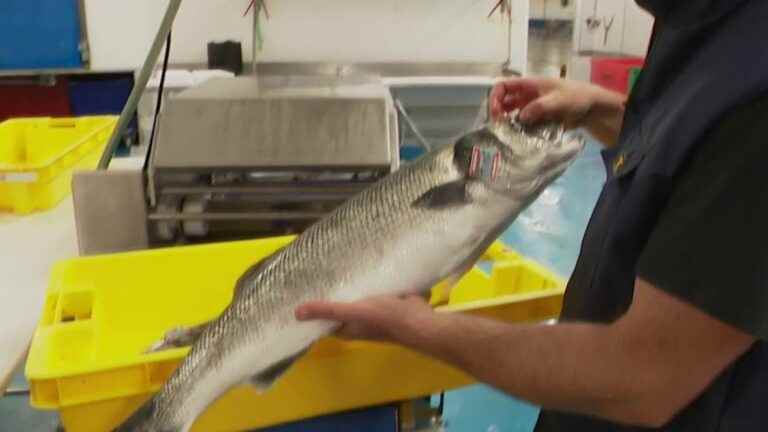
[{"x": 427, "y": 221}]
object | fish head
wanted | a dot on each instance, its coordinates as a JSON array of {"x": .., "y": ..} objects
[{"x": 516, "y": 160}]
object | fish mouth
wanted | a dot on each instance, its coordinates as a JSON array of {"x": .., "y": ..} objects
[
  {"x": 525, "y": 138},
  {"x": 530, "y": 156}
]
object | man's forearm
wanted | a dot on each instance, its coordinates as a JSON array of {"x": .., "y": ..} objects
[
  {"x": 641, "y": 369},
  {"x": 565, "y": 367}
]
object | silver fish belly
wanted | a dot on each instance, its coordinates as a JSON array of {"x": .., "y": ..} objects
[{"x": 428, "y": 221}]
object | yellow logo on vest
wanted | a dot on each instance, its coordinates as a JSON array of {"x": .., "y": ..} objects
[{"x": 618, "y": 163}]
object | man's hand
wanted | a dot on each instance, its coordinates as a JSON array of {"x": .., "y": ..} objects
[
  {"x": 575, "y": 104},
  {"x": 543, "y": 99},
  {"x": 386, "y": 319}
]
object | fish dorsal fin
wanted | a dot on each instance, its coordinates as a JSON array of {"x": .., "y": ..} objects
[
  {"x": 255, "y": 269},
  {"x": 179, "y": 337},
  {"x": 266, "y": 378},
  {"x": 444, "y": 196}
]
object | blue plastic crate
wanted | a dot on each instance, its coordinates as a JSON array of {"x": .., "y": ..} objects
[
  {"x": 100, "y": 95},
  {"x": 39, "y": 34},
  {"x": 104, "y": 95}
]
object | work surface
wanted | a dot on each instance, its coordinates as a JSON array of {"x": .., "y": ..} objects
[{"x": 29, "y": 246}]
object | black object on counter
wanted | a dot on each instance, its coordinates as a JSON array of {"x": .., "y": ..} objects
[{"x": 226, "y": 56}]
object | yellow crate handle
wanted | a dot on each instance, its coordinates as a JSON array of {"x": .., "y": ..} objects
[{"x": 62, "y": 122}]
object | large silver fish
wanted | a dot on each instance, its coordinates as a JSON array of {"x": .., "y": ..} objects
[{"x": 429, "y": 221}]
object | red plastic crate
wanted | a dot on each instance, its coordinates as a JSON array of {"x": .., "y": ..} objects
[
  {"x": 613, "y": 72},
  {"x": 34, "y": 100}
]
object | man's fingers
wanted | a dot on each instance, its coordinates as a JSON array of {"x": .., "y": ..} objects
[
  {"x": 538, "y": 85},
  {"x": 526, "y": 90},
  {"x": 497, "y": 95},
  {"x": 510, "y": 95},
  {"x": 320, "y": 310},
  {"x": 416, "y": 298},
  {"x": 340, "y": 312},
  {"x": 496, "y": 110},
  {"x": 549, "y": 107}
]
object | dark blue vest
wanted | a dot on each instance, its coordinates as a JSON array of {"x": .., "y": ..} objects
[{"x": 707, "y": 57}]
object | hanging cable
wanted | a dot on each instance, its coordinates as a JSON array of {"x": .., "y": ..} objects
[{"x": 159, "y": 104}]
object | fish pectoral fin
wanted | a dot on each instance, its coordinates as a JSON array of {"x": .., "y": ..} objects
[
  {"x": 267, "y": 378},
  {"x": 446, "y": 195},
  {"x": 178, "y": 337},
  {"x": 255, "y": 269}
]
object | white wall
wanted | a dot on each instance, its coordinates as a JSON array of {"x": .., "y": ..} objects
[
  {"x": 629, "y": 34},
  {"x": 552, "y": 9},
  {"x": 594, "y": 39},
  {"x": 638, "y": 26},
  {"x": 120, "y": 32},
  {"x": 631, "y": 39}
]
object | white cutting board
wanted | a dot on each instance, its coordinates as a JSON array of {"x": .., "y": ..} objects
[{"x": 29, "y": 246}]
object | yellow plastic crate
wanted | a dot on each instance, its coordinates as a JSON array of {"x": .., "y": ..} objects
[
  {"x": 39, "y": 155},
  {"x": 101, "y": 313}
]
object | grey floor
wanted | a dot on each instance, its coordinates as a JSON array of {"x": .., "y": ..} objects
[{"x": 17, "y": 415}]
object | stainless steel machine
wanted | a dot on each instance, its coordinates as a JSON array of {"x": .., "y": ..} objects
[
  {"x": 243, "y": 158},
  {"x": 240, "y": 158}
]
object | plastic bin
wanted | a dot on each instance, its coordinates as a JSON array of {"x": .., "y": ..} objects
[
  {"x": 102, "y": 312},
  {"x": 35, "y": 100},
  {"x": 105, "y": 95},
  {"x": 38, "y": 157},
  {"x": 613, "y": 73}
]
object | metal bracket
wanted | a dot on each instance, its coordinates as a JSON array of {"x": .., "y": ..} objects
[
  {"x": 17, "y": 391},
  {"x": 84, "y": 47}
]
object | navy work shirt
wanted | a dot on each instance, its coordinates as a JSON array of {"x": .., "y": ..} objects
[{"x": 685, "y": 204}]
